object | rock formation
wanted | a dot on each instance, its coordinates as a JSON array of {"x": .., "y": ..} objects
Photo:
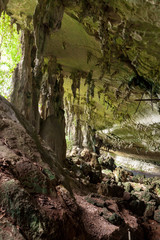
[{"x": 87, "y": 68}]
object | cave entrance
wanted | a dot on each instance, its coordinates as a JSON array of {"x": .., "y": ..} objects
[{"x": 10, "y": 53}]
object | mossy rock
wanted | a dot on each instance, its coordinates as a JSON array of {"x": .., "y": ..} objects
[{"x": 115, "y": 219}]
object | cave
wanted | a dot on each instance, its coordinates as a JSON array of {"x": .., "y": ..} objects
[{"x": 79, "y": 135}]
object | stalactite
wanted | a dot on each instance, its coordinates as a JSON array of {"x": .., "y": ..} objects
[
  {"x": 90, "y": 86},
  {"x": 76, "y": 81}
]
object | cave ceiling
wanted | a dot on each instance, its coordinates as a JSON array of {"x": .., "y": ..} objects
[{"x": 116, "y": 44}]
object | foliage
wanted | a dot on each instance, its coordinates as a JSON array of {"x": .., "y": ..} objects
[{"x": 10, "y": 53}]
